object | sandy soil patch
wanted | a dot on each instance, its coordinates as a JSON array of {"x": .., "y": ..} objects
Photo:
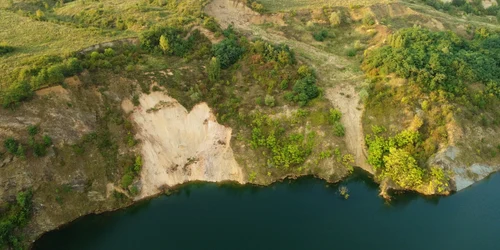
[
  {"x": 346, "y": 99},
  {"x": 180, "y": 146},
  {"x": 56, "y": 90}
]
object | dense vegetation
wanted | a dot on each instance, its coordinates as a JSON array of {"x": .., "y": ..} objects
[
  {"x": 14, "y": 217},
  {"x": 446, "y": 76},
  {"x": 463, "y": 6},
  {"x": 439, "y": 60}
]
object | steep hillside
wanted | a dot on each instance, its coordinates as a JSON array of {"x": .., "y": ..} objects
[{"x": 109, "y": 102}]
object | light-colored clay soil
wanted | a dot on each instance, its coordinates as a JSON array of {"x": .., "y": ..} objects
[
  {"x": 346, "y": 99},
  {"x": 56, "y": 90},
  {"x": 180, "y": 146}
]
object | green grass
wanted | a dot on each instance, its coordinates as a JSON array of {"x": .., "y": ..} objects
[
  {"x": 285, "y": 5},
  {"x": 32, "y": 39}
]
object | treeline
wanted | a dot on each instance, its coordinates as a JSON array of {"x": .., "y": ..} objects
[
  {"x": 470, "y": 7},
  {"x": 439, "y": 60}
]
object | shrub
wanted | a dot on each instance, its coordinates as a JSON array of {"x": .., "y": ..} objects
[
  {"x": 335, "y": 19},
  {"x": 16, "y": 93},
  {"x": 284, "y": 84},
  {"x": 211, "y": 24},
  {"x": 47, "y": 140},
  {"x": 109, "y": 52},
  {"x": 11, "y": 145},
  {"x": 14, "y": 217},
  {"x": 214, "y": 69},
  {"x": 127, "y": 180},
  {"x": 167, "y": 40},
  {"x": 32, "y": 130},
  {"x": 270, "y": 101},
  {"x": 39, "y": 150},
  {"x": 368, "y": 20},
  {"x": 305, "y": 89},
  {"x": 338, "y": 129},
  {"x": 351, "y": 52},
  {"x": 228, "y": 51},
  {"x": 135, "y": 100},
  {"x": 334, "y": 116},
  {"x": 321, "y": 35}
]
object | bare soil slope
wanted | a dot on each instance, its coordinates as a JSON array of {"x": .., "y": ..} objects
[{"x": 180, "y": 146}]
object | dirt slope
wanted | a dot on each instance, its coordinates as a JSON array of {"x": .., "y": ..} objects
[
  {"x": 180, "y": 146},
  {"x": 241, "y": 17}
]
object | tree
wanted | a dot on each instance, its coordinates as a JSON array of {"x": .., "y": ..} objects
[
  {"x": 402, "y": 168},
  {"x": 228, "y": 51},
  {"x": 214, "y": 69},
  {"x": 164, "y": 44}
]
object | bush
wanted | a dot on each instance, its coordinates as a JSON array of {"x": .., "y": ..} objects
[
  {"x": 127, "y": 180},
  {"x": 338, "y": 129},
  {"x": 305, "y": 89},
  {"x": 47, "y": 140},
  {"x": 228, "y": 51},
  {"x": 211, "y": 24},
  {"x": 11, "y": 145},
  {"x": 270, "y": 101},
  {"x": 321, "y": 35},
  {"x": 32, "y": 130},
  {"x": 167, "y": 40},
  {"x": 13, "y": 219},
  {"x": 368, "y": 20},
  {"x": 335, "y": 19},
  {"x": 351, "y": 52},
  {"x": 214, "y": 69},
  {"x": 17, "y": 92}
]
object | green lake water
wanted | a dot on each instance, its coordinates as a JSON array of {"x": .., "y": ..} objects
[{"x": 302, "y": 214}]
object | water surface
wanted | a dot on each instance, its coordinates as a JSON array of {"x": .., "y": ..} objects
[{"x": 303, "y": 214}]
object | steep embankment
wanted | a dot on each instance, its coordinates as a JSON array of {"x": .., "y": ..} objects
[
  {"x": 180, "y": 146},
  {"x": 337, "y": 81}
]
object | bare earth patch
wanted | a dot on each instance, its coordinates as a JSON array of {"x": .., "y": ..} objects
[
  {"x": 346, "y": 99},
  {"x": 180, "y": 146}
]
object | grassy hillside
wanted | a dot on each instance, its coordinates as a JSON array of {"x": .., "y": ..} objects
[
  {"x": 286, "y": 5},
  {"x": 32, "y": 39}
]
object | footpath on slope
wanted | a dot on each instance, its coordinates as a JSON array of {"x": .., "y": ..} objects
[{"x": 343, "y": 96}]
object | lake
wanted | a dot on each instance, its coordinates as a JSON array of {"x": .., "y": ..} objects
[{"x": 302, "y": 214}]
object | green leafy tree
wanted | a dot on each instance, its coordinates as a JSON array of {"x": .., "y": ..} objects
[
  {"x": 228, "y": 51},
  {"x": 402, "y": 168}
]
